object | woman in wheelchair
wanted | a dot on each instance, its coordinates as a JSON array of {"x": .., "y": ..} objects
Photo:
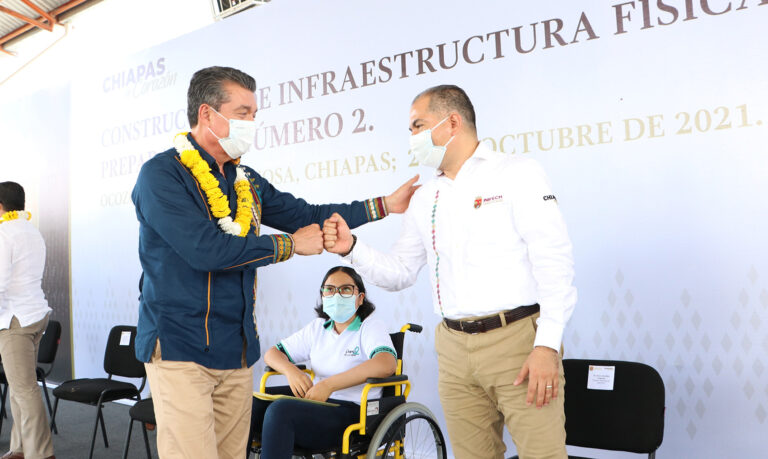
[{"x": 344, "y": 348}]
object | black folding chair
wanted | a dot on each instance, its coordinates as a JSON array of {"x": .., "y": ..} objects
[
  {"x": 119, "y": 360},
  {"x": 46, "y": 355},
  {"x": 144, "y": 412},
  {"x": 628, "y": 418}
]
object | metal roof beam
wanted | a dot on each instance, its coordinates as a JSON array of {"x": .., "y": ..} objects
[
  {"x": 34, "y": 22},
  {"x": 27, "y": 27},
  {"x": 43, "y": 14}
]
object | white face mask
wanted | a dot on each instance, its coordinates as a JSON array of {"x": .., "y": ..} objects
[
  {"x": 426, "y": 152},
  {"x": 240, "y": 139}
]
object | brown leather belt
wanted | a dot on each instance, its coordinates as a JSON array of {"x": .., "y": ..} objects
[{"x": 492, "y": 322}]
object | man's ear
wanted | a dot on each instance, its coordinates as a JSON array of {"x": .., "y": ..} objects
[
  {"x": 204, "y": 113},
  {"x": 456, "y": 121}
]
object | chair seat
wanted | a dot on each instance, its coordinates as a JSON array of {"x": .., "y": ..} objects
[
  {"x": 88, "y": 390},
  {"x": 144, "y": 411}
]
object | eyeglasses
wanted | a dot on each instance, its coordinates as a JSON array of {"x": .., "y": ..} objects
[{"x": 345, "y": 291}]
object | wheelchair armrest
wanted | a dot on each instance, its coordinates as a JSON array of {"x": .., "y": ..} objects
[
  {"x": 300, "y": 367},
  {"x": 393, "y": 378}
]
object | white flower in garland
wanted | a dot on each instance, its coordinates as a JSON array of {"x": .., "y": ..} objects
[{"x": 217, "y": 202}]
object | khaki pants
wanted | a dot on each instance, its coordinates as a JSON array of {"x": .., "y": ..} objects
[
  {"x": 200, "y": 412},
  {"x": 30, "y": 433},
  {"x": 476, "y": 373}
]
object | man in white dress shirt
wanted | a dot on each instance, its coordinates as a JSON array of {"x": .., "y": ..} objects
[
  {"x": 501, "y": 268},
  {"x": 23, "y": 319}
]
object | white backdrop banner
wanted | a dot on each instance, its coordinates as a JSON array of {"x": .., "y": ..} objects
[{"x": 649, "y": 117}]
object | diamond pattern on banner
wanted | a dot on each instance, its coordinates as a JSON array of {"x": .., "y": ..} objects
[
  {"x": 698, "y": 353},
  {"x": 760, "y": 413}
]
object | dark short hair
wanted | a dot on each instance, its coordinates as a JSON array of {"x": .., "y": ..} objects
[
  {"x": 447, "y": 97},
  {"x": 207, "y": 87},
  {"x": 364, "y": 310},
  {"x": 11, "y": 196}
]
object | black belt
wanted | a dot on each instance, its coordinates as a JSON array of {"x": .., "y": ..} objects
[{"x": 492, "y": 322}]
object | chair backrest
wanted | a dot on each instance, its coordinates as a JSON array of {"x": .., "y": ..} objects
[
  {"x": 49, "y": 343},
  {"x": 628, "y": 418},
  {"x": 120, "y": 355}
]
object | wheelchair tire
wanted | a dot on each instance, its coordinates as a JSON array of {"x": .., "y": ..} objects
[{"x": 416, "y": 424}]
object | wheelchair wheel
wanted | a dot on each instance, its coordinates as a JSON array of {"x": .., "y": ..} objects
[{"x": 408, "y": 431}]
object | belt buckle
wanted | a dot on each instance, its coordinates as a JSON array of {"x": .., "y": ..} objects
[{"x": 461, "y": 324}]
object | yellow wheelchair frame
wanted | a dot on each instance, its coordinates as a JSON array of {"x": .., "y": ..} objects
[{"x": 396, "y": 416}]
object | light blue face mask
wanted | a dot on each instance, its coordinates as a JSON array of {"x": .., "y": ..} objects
[
  {"x": 338, "y": 308},
  {"x": 426, "y": 152},
  {"x": 240, "y": 138}
]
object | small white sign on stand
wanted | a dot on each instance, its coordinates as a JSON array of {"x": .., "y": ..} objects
[{"x": 600, "y": 377}]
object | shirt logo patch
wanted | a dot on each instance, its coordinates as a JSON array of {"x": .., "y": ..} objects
[
  {"x": 352, "y": 352},
  {"x": 550, "y": 197},
  {"x": 493, "y": 199},
  {"x": 478, "y": 202}
]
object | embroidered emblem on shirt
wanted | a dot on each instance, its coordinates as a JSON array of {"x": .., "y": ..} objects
[
  {"x": 479, "y": 201},
  {"x": 493, "y": 199},
  {"x": 550, "y": 197},
  {"x": 352, "y": 352}
]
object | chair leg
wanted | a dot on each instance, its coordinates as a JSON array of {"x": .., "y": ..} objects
[
  {"x": 103, "y": 429},
  {"x": 50, "y": 411},
  {"x": 4, "y": 392},
  {"x": 3, "y": 414},
  {"x": 146, "y": 440},
  {"x": 127, "y": 440},
  {"x": 53, "y": 415},
  {"x": 95, "y": 428}
]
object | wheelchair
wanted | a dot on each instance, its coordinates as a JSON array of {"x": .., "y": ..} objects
[{"x": 389, "y": 427}]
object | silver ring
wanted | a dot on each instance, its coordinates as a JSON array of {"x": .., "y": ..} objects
[{"x": 549, "y": 387}]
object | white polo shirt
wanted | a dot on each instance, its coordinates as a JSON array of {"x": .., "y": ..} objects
[
  {"x": 500, "y": 238},
  {"x": 330, "y": 353},
  {"x": 22, "y": 260}
]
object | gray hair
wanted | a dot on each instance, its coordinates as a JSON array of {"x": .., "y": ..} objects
[
  {"x": 448, "y": 97},
  {"x": 207, "y": 87}
]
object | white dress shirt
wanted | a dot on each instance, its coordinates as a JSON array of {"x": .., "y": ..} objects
[
  {"x": 22, "y": 259},
  {"x": 501, "y": 242}
]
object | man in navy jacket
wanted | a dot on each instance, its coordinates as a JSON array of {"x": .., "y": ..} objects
[{"x": 197, "y": 328}]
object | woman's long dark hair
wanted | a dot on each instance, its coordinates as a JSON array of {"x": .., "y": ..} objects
[{"x": 364, "y": 310}]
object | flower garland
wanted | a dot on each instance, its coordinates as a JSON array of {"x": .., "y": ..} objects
[
  {"x": 217, "y": 202},
  {"x": 14, "y": 215}
]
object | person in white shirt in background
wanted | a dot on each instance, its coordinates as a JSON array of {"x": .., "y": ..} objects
[
  {"x": 24, "y": 315},
  {"x": 501, "y": 268}
]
